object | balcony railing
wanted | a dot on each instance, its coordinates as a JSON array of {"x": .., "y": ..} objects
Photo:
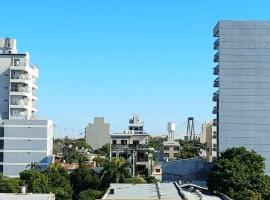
[
  {"x": 216, "y": 57},
  {"x": 216, "y": 82},
  {"x": 216, "y": 70},
  {"x": 19, "y": 90},
  {"x": 215, "y": 96},
  {"x": 19, "y": 76},
  {"x": 215, "y": 110},
  {"x": 19, "y": 103},
  {"x": 129, "y": 146},
  {"x": 216, "y": 44}
]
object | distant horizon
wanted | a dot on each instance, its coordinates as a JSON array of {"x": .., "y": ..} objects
[{"x": 117, "y": 58}]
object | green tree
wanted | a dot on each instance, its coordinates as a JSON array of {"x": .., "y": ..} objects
[
  {"x": 190, "y": 149},
  {"x": 84, "y": 178},
  {"x": 90, "y": 194},
  {"x": 99, "y": 160},
  {"x": 9, "y": 185},
  {"x": 104, "y": 150},
  {"x": 36, "y": 181},
  {"x": 59, "y": 182},
  {"x": 135, "y": 180},
  {"x": 238, "y": 171}
]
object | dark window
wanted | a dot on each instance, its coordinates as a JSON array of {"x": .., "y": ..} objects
[
  {"x": 176, "y": 148},
  {"x": 113, "y": 155},
  {"x": 123, "y": 142},
  {"x": 1, "y": 157},
  {"x": 166, "y": 155},
  {"x": 1, "y": 131},
  {"x": 166, "y": 148},
  {"x": 6, "y": 74},
  {"x": 16, "y": 62},
  {"x": 136, "y": 142},
  {"x": 114, "y": 141},
  {"x": 1, "y": 144},
  {"x": 1, "y": 168},
  {"x": 157, "y": 170}
]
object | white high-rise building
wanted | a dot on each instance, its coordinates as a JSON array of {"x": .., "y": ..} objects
[{"x": 24, "y": 139}]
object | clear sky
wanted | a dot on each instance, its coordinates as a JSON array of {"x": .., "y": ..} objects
[{"x": 114, "y": 58}]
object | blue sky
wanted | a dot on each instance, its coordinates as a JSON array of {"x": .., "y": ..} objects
[{"x": 114, "y": 58}]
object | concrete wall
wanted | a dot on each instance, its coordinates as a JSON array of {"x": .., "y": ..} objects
[
  {"x": 97, "y": 134},
  {"x": 244, "y": 87}
]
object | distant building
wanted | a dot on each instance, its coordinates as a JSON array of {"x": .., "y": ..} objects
[
  {"x": 157, "y": 171},
  {"x": 134, "y": 147},
  {"x": 97, "y": 134},
  {"x": 203, "y": 134},
  {"x": 243, "y": 95},
  {"x": 136, "y": 124},
  {"x": 211, "y": 141},
  {"x": 27, "y": 196},
  {"x": 171, "y": 148},
  {"x": 24, "y": 138}
]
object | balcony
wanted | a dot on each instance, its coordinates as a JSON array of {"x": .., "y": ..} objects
[
  {"x": 129, "y": 147},
  {"x": 216, "y": 82},
  {"x": 216, "y": 44},
  {"x": 214, "y": 122},
  {"x": 216, "y": 70},
  {"x": 215, "y": 96},
  {"x": 215, "y": 110},
  {"x": 216, "y": 57}
]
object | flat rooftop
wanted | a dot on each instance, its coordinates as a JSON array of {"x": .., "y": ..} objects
[{"x": 28, "y": 196}]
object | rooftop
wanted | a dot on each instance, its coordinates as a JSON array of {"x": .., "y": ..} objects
[{"x": 29, "y": 196}]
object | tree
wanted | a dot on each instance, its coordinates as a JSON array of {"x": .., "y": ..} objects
[
  {"x": 84, "y": 178},
  {"x": 36, "y": 181},
  {"x": 99, "y": 160},
  {"x": 190, "y": 149},
  {"x": 135, "y": 180},
  {"x": 59, "y": 182},
  {"x": 238, "y": 171},
  {"x": 90, "y": 194},
  {"x": 9, "y": 185},
  {"x": 104, "y": 150}
]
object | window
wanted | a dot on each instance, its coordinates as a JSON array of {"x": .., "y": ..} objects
[
  {"x": 123, "y": 142},
  {"x": 176, "y": 148},
  {"x": 16, "y": 62},
  {"x": 166, "y": 155},
  {"x": 157, "y": 170},
  {"x": 136, "y": 142},
  {"x": 1, "y": 131},
  {"x": 113, "y": 141},
  {"x": 166, "y": 148}
]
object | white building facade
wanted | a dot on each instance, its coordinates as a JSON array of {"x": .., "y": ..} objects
[{"x": 24, "y": 139}]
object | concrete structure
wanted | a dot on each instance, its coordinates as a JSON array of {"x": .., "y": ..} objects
[
  {"x": 211, "y": 141},
  {"x": 134, "y": 147},
  {"x": 171, "y": 148},
  {"x": 187, "y": 170},
  {"x": 243, "y": 96},
  {"x": 136, "y": 124},
  {"x": 203, "y": 134},
  {"x": 23, "y": 138},
  {"x": 27, "y": 196},
  {"x": 97, "y": 134},
  {"x": 157, "y": 171},
  {"x": 174, "y": 190}
]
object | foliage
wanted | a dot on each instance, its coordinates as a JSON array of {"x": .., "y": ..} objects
[
  {"x": 90, "y": 194},
  {"x": 83, "y": 178},
  {"x": 9, "y": 185},
  {"x": 36, "y": 181},
  {"x": 99, "y": 161},
  {"x": 151, "y": 179},
  {"x": 104, "y": 150},
  {"x": 190, "y": 149},
  {"x": 238, "y": 171},
  {"x": 156, "y": 143},
  {"x": 59, "y": 182},
  {"x": 135, "y": 180},
  {"x": 116, "y": 171}
]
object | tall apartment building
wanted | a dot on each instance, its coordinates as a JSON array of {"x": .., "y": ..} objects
[
  {"x": 23, "y": 138},
  {"x": 97, "y": 134},
  {"x": 243, "y": 82},
  {"x": 171, "y": 148},
  {"x": 211, "y": 140}
]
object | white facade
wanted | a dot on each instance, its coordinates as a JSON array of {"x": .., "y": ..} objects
[
  {"x": 18, "y": 91},
  {"x": 211, "y": 141},
  {"x": 23, "y": 138},
  {"x": 136, "y": 124}
]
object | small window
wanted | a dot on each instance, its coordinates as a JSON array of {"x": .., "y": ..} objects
[
  {"x": 5, "y": 87},
  {"x": 166, "y": 155},
  {"x": 6, "y": 74},
  {"x": 176, "y": 148},
  {"x": 136, "y": 142},
  {"x": 123, "y": 142},
  {"x": 157, "y": 170},
  {"x": 113, "y": 141},
  {"x": 166, "y": 148},
  {"x": 16, "y": 62}
]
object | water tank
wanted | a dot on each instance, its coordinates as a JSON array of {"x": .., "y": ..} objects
[{"x": 171, "y": 127}]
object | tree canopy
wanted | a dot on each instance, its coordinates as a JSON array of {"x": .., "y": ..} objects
[{"x": 239, "y": 173}]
